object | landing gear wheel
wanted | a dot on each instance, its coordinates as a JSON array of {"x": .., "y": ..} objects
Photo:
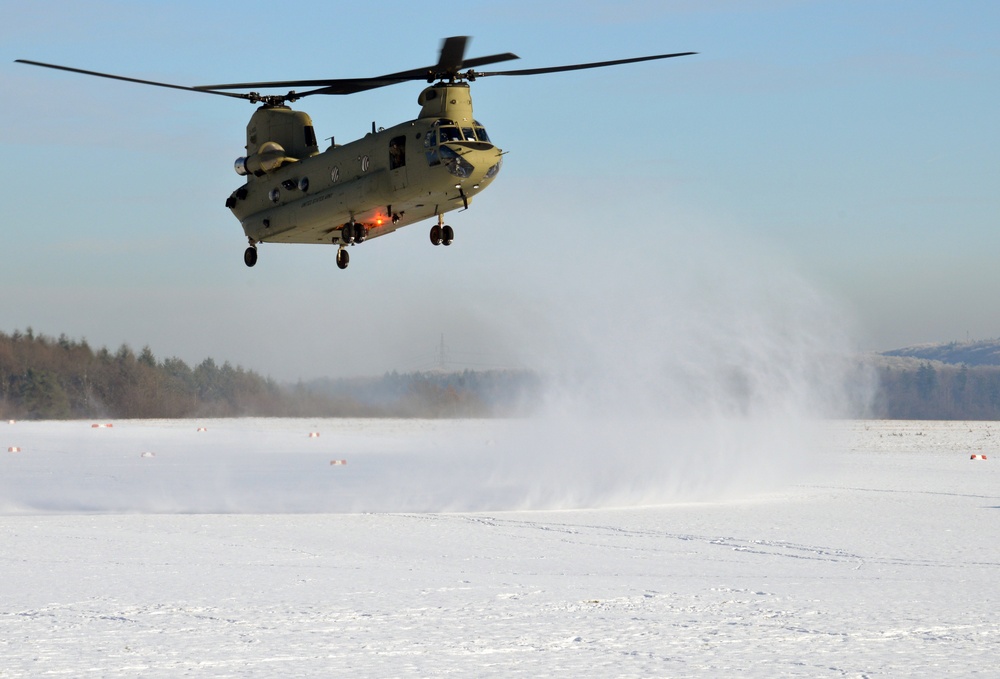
[
  {"x": 347, "y": 233},
  {"x": 437, "y": 236},
  {"x": 360, "y": 233},
  {"x": 447, "y": 235},
  {"x": 250, "y": 256},
  {"x": 343, "y": 258}
]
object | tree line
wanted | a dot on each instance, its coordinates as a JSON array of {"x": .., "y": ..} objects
[
  {"x": 46, "y": 378},
  {"x": 936, "y": 391},
  {"x": 60, "y": 378}
]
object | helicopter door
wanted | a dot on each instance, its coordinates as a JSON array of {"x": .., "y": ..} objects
[{"x": 397, "y": 162}]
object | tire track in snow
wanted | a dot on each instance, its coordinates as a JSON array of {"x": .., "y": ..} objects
[{"x": 586, "y": 534}]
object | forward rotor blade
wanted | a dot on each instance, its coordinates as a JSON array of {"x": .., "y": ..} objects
[
  {"x": 432, "y": 72},
  {"x": 578, "y": 67},
  {"x": 452, "y": 53},
  {"x": 492, "y": 59},
  {"x": 131, "y": 80}
]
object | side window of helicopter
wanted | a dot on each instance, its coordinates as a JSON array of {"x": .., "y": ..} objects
[
  {"x": 397, "y": 153},
  {"x": 481, "y": 133},
  {"x": 430, "y": 143}
]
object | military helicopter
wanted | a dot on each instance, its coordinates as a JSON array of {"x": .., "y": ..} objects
[{"x": 346, "y": 194}]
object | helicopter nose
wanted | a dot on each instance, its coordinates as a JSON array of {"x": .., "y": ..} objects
[
  {"x": 474, "y": 164},
  {"x": 490, "y": 163}
]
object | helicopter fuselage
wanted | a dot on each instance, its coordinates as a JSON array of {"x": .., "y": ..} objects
[{"x": 367, "y": 188}]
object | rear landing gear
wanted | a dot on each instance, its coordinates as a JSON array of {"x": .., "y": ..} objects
[
  {"x": 343, "y": 258},
  {"x": 250, "y": 255}
]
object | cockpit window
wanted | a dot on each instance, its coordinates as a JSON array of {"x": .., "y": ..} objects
[
  {"x": 481, "y": 131},
  {"x": 449, "y": 133},
  {"x": 443, "y": 131}
]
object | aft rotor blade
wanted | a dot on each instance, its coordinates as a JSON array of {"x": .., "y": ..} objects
[
  {"x": 578, "y": 67},
  {"x": 131, "y": 80}
]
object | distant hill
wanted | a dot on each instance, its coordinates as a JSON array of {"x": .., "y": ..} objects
[
  {"x": 944, "y": 381},
  {"x": 972, "y": 354}
]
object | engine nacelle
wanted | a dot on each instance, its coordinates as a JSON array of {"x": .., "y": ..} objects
[{"x": 269, "y": 157}]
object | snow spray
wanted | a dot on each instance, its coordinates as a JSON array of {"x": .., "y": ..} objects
[{"x": 704, "y": 376}]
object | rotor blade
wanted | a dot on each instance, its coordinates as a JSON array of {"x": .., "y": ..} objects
[
  {"x": 493, "y": 59},
  {"x": 352, "y": 85},
  {"x": 449, "y": 62},
  {"x": 131, "y": 80},
  {"x": 279, "y": 83},
  {"x": 337, "y": 86},
  {"x": 578, "y": 67},
  {"x": 431, "y": 72},
  {"x": 452, "y": 53}
]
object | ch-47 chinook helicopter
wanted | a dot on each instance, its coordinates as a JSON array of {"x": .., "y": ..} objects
[{"x": 391, "y": 178}]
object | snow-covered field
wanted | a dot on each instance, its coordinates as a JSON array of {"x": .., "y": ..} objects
[{"x": 152, "y": 549}]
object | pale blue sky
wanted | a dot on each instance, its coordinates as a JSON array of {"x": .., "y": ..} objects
[{"x": 853, "y": 142}]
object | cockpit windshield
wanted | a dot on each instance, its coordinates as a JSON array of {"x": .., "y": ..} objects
[
  {"x": 481, "y": 131},
  {"x": 447, "y": 131}
]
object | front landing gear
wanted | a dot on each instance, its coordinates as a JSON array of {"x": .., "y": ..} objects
[
  {"x": 353, "y": 232},
  {"x": 441, "y": 233}
]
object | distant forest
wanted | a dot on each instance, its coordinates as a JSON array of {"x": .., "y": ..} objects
[
  {"x": 59, "y": 378},
  {"x": 942, "y": 381},
  {"x": 936, "y": 391}
]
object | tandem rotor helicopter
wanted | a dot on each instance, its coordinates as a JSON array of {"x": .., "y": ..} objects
[{"x": 390, "y": 178}]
